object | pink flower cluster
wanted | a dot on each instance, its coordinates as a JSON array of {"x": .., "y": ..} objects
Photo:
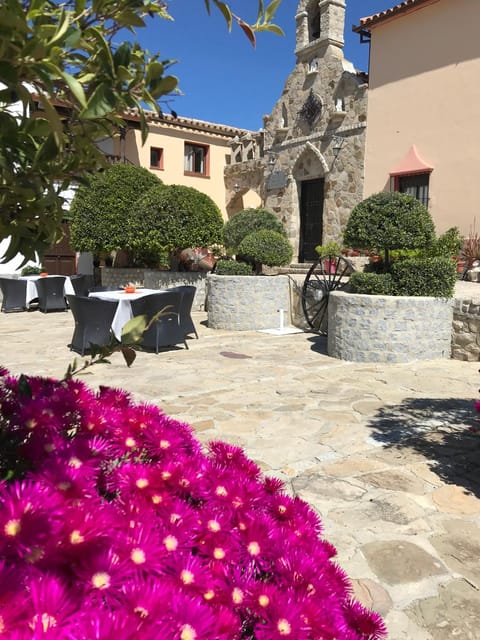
[{"x": 115, "y": 524}]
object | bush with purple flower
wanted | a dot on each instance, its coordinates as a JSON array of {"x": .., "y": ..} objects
[{"x": 115, "y": 524}]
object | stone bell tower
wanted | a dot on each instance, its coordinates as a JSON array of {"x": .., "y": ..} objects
[
  {"x": 320, "y": 27},
  {"x": 307, "y": 167}
]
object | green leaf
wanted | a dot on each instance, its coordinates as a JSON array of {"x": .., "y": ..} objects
[
  {"x": 163, "y": 86},
  {"x": 63, "y": 25},
  {"x": 227, "y": 14},
  {"x": 271, "y": 10},
  {"x": 75, "y": 87},
  {"x": 154, "y": 71},
  {"x": 8, "y": 72},
  {"x": 274, "y": 28},
  {"x": 101, "y": 103},
  {"x": 132, "y": 332},
  {"x": 129, "y": 354},
  {"x": 24, "y": 388},
  {"x": 260, "y": 10},
  {"x": 207, "y": 6}
]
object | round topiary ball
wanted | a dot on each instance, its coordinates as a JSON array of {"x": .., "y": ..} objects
[
  {"x": 245, "y": 222},
  {"x": 389, "y": 221},
  {"x": 174, "y": 217},
  {"x": 102, "y": 205},
  {"x": 266, "y": 247}
]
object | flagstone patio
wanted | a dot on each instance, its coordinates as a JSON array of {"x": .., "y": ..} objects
[{"x": 388, "y": 454}]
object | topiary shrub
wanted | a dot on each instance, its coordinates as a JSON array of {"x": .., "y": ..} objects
[
  {"x": 126, "y": 527},
  {"x": 266, "y": 247},
  {"x": 375, "y": 284},
  {"x": 247, "y": 221},
  {"x": 233, "y": 268},
  {"x": 424, "y": 277},
  {"x": 387, "y": 221},
  {"x": 102, "y": 206},
  {"x": 174, "y": 217}
]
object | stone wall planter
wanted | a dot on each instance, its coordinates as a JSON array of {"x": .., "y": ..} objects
[
  {"x": 242, "y": 303},
  {"x": 158, "y": 279},
  {"x": 364, "y": 328}
]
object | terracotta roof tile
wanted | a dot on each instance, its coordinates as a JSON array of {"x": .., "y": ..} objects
[{"x": 403, "y": 7}]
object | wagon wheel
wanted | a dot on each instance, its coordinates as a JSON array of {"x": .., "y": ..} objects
[{"x": 325, "y": 275}]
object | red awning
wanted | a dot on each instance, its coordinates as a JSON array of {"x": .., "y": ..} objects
[{"x": 412, "y": 163}]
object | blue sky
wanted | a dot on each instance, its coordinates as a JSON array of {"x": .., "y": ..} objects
[{"x": 223, "y": 78}]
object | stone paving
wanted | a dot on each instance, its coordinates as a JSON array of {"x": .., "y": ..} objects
[{"x": 387, "y": 454}]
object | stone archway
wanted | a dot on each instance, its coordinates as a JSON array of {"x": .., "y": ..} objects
[{"x": 309, "y": 171}]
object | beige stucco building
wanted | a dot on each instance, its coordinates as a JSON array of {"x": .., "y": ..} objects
[
  {"x": 423, "y": 133},
  {"x": 178, "y": 150}
]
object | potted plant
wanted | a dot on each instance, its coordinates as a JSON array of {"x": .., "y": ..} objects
[
  {"x": 237, "y": 298},
  {"x": 327, "y": 252},
  {"x": 399, "y": 309}
]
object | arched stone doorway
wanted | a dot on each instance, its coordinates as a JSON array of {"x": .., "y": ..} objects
[{"x": 309, "y": 171}]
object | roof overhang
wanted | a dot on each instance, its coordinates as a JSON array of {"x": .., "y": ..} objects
[
  {"x": 412, "y": 164},
  {"x": 408, "y": 6}
]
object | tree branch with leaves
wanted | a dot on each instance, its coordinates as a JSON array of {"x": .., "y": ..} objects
[{"x": 65, "y": 85}]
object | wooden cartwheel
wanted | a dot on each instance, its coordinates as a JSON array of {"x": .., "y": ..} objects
[{"x": 327, "y": 274}]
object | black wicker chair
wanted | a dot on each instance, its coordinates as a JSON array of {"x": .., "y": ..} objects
[
  {"x": 166, "y": 331},
  {"x": 14, "y": 294},
  {"x": 93, "y": 321},
  {"x": 79, "y": 284},
  {"x": 50, "y": 293},
  {"x": 188, "y": 295}
]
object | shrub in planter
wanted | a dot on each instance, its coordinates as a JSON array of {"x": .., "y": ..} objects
[
  {"x": 31, "y": 270},
  {"x": 115, "y": 523},
  {"x": 376, "y": 284},
  {"x": 424, "y": 277},
  {"x": 175, "y": 217},
  {"x": 387, "y": 221},
  {"x": 101, "y": 208},
  {"x": 266, "y": 247},
  {"x": 247, "y": 221},
  {"x": 233, "y": 268}
]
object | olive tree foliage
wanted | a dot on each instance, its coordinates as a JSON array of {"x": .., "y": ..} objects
[
  {"x": 387, "y": 221},
  {"x": 100, "y": 209},
  {"x": 65, "y": 81},
  {"x": 170, "y": 218}
]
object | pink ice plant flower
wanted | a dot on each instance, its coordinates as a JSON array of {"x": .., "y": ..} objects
[{"x": 116, "y": 524}]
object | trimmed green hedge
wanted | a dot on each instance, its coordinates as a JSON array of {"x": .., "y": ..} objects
[
  {"x": 102, "y": 206},
  {"x": 374, "y": 284},
  {"x": 233, "y": 268},
  {"x": 247, "y": 221},
  {"x": 266, "y": 247},
  {"x": 174, "y": 217},
  {"x": 389, "y": 220},
  {"x": 424, "y": 277},
  {"x": 433, "y": 277}
]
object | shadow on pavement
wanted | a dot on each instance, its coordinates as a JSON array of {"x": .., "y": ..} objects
[{"x": 444, "y": 430}]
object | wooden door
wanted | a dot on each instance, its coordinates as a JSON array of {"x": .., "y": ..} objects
[{"x": 311, "y": 218}]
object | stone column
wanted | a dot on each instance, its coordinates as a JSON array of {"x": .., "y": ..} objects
[
  {"x": 332, "y": 21},
  {"x": 302, "y": 29}
]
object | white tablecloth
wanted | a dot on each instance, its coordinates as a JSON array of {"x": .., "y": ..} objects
[
  {"x": 124, "y": 309},
  {"x": 32, "y": 286}
]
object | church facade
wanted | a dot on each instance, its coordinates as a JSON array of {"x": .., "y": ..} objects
[{"x": 306, "y": 164}]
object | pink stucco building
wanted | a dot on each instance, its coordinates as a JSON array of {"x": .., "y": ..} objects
[{"x": 423, "y": 132}]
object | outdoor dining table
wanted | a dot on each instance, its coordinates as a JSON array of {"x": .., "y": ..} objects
[
  {"x": 32, "y": 292},
  {"x": 124, "y": 311}
]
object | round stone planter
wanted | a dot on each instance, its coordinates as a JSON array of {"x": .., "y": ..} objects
[
  {"x": 243, "y": 303},
  {"x": 364, "y": 328}
]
